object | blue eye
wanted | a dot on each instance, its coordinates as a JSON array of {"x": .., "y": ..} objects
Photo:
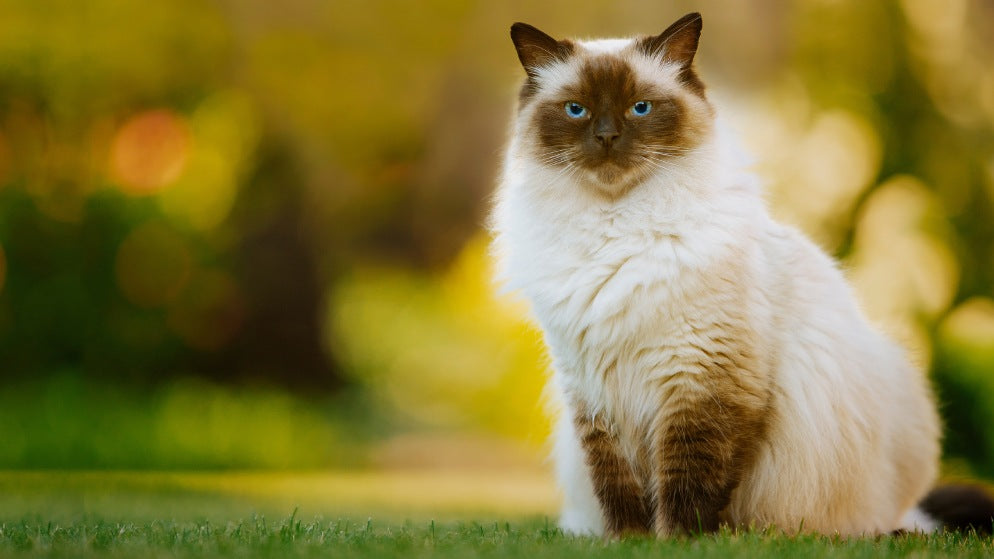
[
  {"x": 575, "y": 110},
  {"x": 641, "y": 108}
]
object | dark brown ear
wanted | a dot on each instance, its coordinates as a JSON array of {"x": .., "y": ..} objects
[
  {"x": 536, "y": 48},
  {"x": 678, "y": 43}
]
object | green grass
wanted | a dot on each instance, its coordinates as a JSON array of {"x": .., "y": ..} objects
[
  {"x": 290, "y": 536},
  {"x": 246, "y": 515}
]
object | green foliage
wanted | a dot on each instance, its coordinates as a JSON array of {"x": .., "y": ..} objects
[
  {"x": 965, "y": 378},
  {"x": 59, "y": 309},
  {"x": 68, "y": 422}
]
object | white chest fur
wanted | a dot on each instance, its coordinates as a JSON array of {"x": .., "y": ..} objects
[{"x": 622, "y": 289}]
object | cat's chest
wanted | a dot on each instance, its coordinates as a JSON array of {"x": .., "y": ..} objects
[
  {"x": 621, "y": 318},
  {"x": 611, "y": 289}
]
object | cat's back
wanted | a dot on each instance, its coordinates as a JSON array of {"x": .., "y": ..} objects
[{"x": 848, "y": 403}]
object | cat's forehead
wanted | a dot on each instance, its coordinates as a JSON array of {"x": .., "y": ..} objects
[
  {"x": 605, "y": 46},
  {"x": 606, "y": 63}
]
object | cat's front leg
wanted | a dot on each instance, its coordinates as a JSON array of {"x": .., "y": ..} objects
[
  {"x": 620, "y": 495},
  {"x": 706, "y": 437}
]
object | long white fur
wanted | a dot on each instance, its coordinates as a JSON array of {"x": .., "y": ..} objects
[{"x": 853, "y": 438}]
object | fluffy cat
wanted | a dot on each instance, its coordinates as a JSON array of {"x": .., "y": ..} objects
[{"x": 713, "y": 365}]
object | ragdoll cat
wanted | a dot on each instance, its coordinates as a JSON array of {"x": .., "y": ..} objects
[{"x": 713, "y": 365}]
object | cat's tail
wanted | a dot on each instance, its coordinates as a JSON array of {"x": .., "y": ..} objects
[{"x": 962, "y": 508}]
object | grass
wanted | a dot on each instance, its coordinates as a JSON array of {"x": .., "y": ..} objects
[
  {"x": 246, "y": 515},
  {"x": 295, "y": 537}
]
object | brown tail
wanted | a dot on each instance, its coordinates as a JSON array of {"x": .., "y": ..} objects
[{"x": 961, "y": 508}]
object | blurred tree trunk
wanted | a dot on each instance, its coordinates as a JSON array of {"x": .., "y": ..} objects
[{"x": 280, "y": 338}]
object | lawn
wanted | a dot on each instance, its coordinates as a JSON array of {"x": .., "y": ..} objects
[{"x": 355, "y": 515}]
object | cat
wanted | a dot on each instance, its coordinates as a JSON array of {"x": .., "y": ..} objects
[{"x": 712, "y": 364}]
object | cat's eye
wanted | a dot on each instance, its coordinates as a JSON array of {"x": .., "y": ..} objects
[
  {"x": 575, "y": 110},
  {"x": 641, "y": 108}
]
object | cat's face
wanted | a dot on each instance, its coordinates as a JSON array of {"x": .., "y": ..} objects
[{"x": 611, "y": 113}]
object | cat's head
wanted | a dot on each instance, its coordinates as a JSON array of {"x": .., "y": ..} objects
[{"x": 611, "y": 113}]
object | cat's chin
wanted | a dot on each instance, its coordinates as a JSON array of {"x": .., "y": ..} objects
[{"x": 613, "y": 181}]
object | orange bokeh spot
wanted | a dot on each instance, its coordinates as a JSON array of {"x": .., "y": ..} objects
[
  {"x": 150, "y": 151},
  {"x": 153, "y": 264}
]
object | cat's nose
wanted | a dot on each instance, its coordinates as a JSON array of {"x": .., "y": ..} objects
[
  {"x": 606, "y": 132},
  {"x": 606, "y": 138}
]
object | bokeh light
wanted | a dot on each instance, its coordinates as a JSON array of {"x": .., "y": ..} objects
[
  {"x": 818, "y": 166},
  {"x": 971, "y": 324},
  {"x": 150, "y": 151},
  {"x": 901, "y": 266},
  {"x": 225, "y": 129}
]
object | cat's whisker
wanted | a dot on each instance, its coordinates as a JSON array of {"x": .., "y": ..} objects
[
  {"x": 659, "y": 166},
  {"x": 568, "y": 170},
  {"x": 557, "y": 157},
  {"x": 666, "y": 152}
]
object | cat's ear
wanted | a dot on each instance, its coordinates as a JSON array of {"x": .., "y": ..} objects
[
  {"x": 536, "y": 49},
  {"x": 678, "y": 43}
]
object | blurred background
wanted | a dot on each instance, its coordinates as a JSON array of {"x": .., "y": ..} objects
[{"x": 248, "y": 235}]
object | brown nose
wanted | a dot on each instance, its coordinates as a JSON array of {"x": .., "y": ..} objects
[
  {"x": 606, "y": 131},
  {"x": 606, "y": 138}
]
